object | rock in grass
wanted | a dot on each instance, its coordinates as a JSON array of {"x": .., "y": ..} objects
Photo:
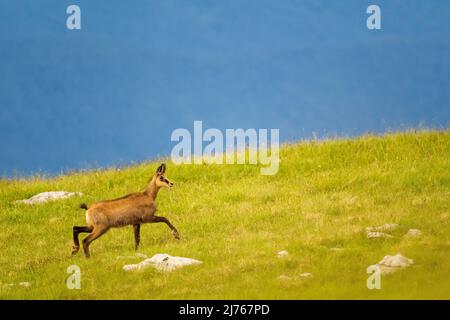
[
  {"x": 306, "y": 275},
  {"x": 379, "y": 231},
  {"x": 284, "y": 278},
  {"x": 162, "y": 262},
  {"x": 282, "y": 254},
  {"x": 374, "y": 234},
  {"x": 25, "y": 284},
  {"x": 384, "y": 227},
  {"x": 48, "y": 196},
  {"x": 413, "y": 233},
  {"x": 391, "y": 264}
]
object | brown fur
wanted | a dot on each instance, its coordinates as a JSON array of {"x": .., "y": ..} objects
[{"x": 133, "y": 209}]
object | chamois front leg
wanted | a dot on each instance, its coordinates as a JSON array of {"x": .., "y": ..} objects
[
  {"x": 156, "y": 219},
  {"x": 137, "y": 235}
]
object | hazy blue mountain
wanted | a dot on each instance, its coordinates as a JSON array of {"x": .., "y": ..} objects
[{"x": 113, "y": 92}]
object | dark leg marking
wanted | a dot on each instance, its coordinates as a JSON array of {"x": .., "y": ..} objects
[
  {"x": 137, "y": 235},
  {"x": 76, "y": 231}
]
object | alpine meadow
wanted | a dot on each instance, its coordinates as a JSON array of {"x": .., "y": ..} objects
[{"x": 236, "y": 221}]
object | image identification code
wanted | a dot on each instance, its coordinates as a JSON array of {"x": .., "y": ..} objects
[{"x": 227, "y": 310}]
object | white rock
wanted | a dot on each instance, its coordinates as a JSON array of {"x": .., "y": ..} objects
[
  {"x": 384, "y": 227},
  {"x": 24, "y": 284},
  {"x": 391, "y": 264},
  {"x": 48, "y": 196},
  {"x": 413, "y": 233},
  {"x": 295, "y": 278},
  {"x": 306, "y": 275},
  {"x": 374, "y": 234},
  {"x": 282, "y": 253},
  {"x": 284, "y": 278},
  {"x": 396, "y": 261},
  {"x": 162, "y": 262}
]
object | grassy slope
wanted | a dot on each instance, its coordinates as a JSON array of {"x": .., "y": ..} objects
[{"x": 235, "y": 220}]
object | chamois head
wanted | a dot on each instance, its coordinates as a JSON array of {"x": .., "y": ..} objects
[{"x": 161, "y": 179}]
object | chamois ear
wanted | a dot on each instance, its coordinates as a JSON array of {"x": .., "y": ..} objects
[{"x": 161, "y": 169}]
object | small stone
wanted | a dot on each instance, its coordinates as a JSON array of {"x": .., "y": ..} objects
[
  {"x": 413, "y": 233},
  {"x": 284, "y": 278},
  {"x": 306, "y": 275},
  {"x": 282, "y": 253},
  {"x": 391, "y": 264},
  {"x": 384, "y": 227},
  {"x": 162, "y": 262},
  {"x": 24, "y": 284},
  {"x": 396, "y": 261},
  {"x": 374, "y": 234}
]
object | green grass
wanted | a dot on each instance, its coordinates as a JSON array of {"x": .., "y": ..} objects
[{"x": 236, "y": 220}]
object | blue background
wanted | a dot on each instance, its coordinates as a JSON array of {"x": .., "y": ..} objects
[{"x": 112, "y": 92}]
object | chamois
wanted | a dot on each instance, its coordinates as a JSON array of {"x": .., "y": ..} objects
[{"x": 132, "y": 209}]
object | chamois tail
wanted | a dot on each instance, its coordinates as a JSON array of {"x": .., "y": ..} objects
[{"x": 83, "y": 206}]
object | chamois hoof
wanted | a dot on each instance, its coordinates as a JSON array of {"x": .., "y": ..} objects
[
  {"x": 176, "y": 235},
  {"x": 75, "y": 250}
]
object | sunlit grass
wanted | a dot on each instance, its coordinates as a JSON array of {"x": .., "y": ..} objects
[{"x": 235, "y": 220}]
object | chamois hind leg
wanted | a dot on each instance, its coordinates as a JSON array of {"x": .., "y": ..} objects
[
  {"x": 156, "y": 219},
  {"x": 76, "y": 231},
  {"x": 97, "y": 232},
  {"x": 137, "y": 235}
]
